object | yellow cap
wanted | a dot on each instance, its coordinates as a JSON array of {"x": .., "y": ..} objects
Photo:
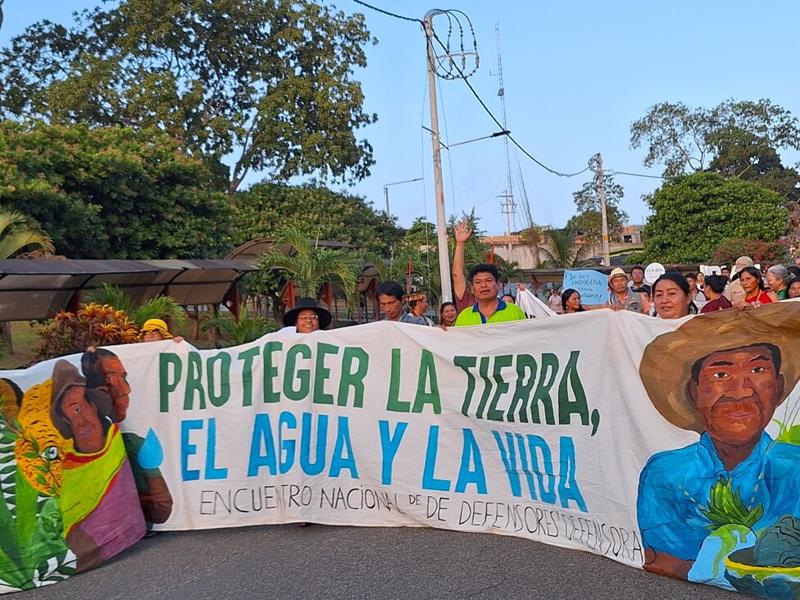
[{"x": 156, "y": 325}]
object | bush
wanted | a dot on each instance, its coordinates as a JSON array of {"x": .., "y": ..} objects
[
  {"x": 92, "y": 325},
  {"x": 760, "y": 251},
  {"x": 694, "y": 214}
]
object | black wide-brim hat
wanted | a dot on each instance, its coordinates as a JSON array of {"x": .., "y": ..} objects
[{"x": 290, "y": 318}]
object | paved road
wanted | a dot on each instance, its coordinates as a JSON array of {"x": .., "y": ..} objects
[{"x": 349, "y": 562}]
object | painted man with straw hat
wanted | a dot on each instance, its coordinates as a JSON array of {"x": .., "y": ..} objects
[{"x": 722, "y": 375}]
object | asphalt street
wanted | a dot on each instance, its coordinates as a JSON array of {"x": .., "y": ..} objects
[{"x": 287, "y": 561}]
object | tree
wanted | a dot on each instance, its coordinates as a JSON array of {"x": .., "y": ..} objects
[
  {"x": 310, "y": 266},
  {"x": 113, "y": 192},
  {"x": 689, "y": 139},
  {"x": 693, "y": 214},
  {"x": 562, "y": 251},
  {"x": 317, "y": 212},
  {"x": 588, "y": 220},
  {"x": 268, "y": 83},
  {"x": 16, "y": 234},
  {"x": 742, "y": 154},
  {"x": 761, "y": 252}
]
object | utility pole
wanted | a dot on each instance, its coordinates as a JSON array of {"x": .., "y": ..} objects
[
  {"x": 508, "y": 205},
  {"x": 441, "y": 219},
  {"x": 386, "y": 191},
  {"x": 600, "y": 183}
]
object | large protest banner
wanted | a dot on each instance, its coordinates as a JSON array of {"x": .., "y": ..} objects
[{"x": 664, "y": 444}]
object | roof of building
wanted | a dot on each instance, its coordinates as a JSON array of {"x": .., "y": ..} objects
[{"x": 38, "y": 288}]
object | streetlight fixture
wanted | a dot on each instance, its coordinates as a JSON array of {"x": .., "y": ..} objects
[
  {"x": 386, "y": 191},
  {"x": 485, "y": 137}
]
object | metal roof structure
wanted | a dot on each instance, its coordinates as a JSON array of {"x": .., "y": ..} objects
[{"x": 40, "y": 287}]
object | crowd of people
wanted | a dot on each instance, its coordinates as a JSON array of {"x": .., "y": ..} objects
[{"x": 477, "y": 298}]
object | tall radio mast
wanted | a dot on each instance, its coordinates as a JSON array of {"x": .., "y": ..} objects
[{"x": 509, "y": 206}]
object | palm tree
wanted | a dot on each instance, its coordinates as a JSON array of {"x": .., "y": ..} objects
[
  {"x": 562, "y": 251},
  {"x": 241, "y": 329},
  {"x": 509, "y": 269},
  {"x": 310, "y": 265},
  {"x": 16, "y": 233},
  {"x": 160, "y": 307}
]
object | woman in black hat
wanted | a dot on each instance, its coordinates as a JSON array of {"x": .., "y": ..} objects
[{"x": 307, "y": 316}]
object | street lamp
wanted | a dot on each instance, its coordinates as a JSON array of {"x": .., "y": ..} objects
[
  {"x": 386, "y": 191},
  {"x": 478, "y": 139}
]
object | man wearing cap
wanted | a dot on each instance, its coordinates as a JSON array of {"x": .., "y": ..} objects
[
  {"x": 623, "y": 298},
  {"x": 98, "y": 499},
  {"x": 735, "y": 292},
  {"x": 418, "y": 305},
  {"x": 721, "y": 375},
  {"x": 307, "y": 316}
]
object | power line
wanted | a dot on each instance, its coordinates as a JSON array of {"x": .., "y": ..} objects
[
  {"x": 500, "y": 125},
  {"x": 635, "y": 174},
  {"x": 387, "y": 13},
  {"x": 462, "y": 76}
]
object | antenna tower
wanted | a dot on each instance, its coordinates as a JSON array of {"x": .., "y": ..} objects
[{"x": 509, "y": 206}]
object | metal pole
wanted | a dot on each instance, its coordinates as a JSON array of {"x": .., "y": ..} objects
[
  {"x": 601, "y": 192},
  {"x": 509, "y": 207},
  {"x": 441, "y": 219},
  {"x": 386, "y": 197}
]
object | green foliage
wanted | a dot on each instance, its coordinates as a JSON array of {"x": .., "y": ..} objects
[
  {"x": 267, "y": 84},
  {"x": 588, "y": 221},
  {"x": 30, "y": 527},
  {"x": 725, "y": 507},
  {"x": 693, "y": 214},
  {"x": 310, "y": 265},
  {"x": 688, "y": 139},
  {"x": 635, "y": 258},
  {"x": 160, "y": 307},
  {"x": 113, "y": 192},
  {"x": 561, "y": 251},
  {"x": 92, "y": 325},
  {"x": 316, "y": 212},
  {"x": 509, "y": 270},
  {"x": 242, "y": 329},
  {"x": 760, "y": 251},
  {"x": 474, "y": 250},
  {"x": 16, "y": 234}
]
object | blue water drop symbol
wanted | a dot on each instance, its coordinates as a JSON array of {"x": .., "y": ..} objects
[{"x": 151, "y": 454}]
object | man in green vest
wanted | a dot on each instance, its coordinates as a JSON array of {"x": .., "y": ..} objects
[{"x": 488, "y": 308}]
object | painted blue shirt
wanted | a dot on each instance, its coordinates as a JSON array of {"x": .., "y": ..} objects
[{"x": 674, "y": 486}]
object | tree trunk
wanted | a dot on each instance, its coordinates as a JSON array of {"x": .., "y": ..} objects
[{"x": 8, "y": 341}]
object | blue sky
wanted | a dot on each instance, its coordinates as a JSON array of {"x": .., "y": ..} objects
[{"x": 576, "y": 75}]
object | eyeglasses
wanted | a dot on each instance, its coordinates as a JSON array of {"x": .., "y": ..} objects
[{"x": 308, "y": 318}]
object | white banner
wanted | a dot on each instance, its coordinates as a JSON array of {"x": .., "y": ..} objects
[{"x": 669, "y": 444}]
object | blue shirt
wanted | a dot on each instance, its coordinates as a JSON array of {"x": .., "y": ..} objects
[{"x": 674, "y": 486}]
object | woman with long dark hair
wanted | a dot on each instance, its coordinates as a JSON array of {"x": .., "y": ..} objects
[
  {"x": 448, "y": 314},
  {"x": 672, "y": 296},
  {"x": 571, "y": 302},
  {"x": 755, "y": 292}
]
